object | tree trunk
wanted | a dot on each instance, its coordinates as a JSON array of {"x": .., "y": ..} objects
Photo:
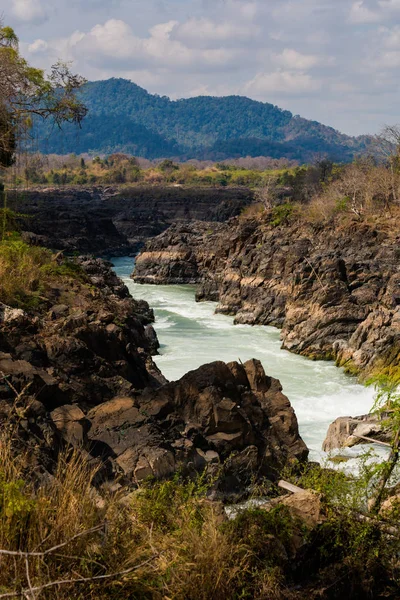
[{"x": 376, "y": 501}]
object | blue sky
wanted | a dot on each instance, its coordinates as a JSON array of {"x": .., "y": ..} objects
[{"x": 335, "y": 61}]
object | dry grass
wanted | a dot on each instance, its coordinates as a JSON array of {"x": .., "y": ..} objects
[
  {"x": 253, "y": 211},
  {"x": 36, "y": 518},
  {"x": 168, "y": 528},
  {"x": 163, "y": 541},
  {"x": 26, "y": 272},
  {"x": 23, "y": 272}
]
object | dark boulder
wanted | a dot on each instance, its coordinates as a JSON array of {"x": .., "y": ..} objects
[{"x": 230, "y": 419}]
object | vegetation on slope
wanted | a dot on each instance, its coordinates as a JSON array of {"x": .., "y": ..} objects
[
  {"x": 39, "y": 169},
  {"x": 125, "y": 118},
  {"x": 67, "y": 537},
  {"x": 27, "y": 272}
]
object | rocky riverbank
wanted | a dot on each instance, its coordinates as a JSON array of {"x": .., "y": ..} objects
[
  {"x": 334, "y": 292},
  {"x": 96, "y": 447},
  {"x": 78, "y": 370}
]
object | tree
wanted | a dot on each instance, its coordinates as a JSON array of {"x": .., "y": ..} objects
[
  {"x": 26, "y": 92},
  {"x": 387, "y": 406},
  {"x": 387, "y": 144},
  {"x": 168, "y": 166},
  {"x": 268, "y": 193}
]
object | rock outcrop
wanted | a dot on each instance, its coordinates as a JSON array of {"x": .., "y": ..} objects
[
  {"x": 88, "y": 342},
  {"x": 346, "y": 432},
  {"x": 116, "y": 221},
  {"x": 334, "y": 292},
  {"x": 231, "y": 419},
  {"x": 78, "y": 371},
  {"x": 305, "y": 505}
]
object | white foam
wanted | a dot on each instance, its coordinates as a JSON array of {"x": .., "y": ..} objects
[{"x": 191, "y": 335}]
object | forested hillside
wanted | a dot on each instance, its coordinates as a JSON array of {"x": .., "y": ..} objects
[{"x": 124, "y": 117}]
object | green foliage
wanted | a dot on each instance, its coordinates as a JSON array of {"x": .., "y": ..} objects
[
  {"x": 338, "y": 489},
  {"x": 255, "y": 528},
  {"x": 170, "y": 531},
  {"x": 14, "y": 503},
  {"x": 9, "y": 221},
  {"x": 166, "y": 504},
  {"x": 282, "y": 214},
  {"x": 124, "y": 117},
  {"x": 387, "y": 402},
  {"x": 27, "y": 91},
  {"x": 168, "y": 165},
  {"x": 342, "y": 205}
]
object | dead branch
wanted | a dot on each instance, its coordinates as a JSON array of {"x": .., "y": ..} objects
[
  {"x": 40, "y": 588},
  {"x": 390, "y": 529},
  {"x": 315, "y": 273},
  {"x": 22, "y": 554}
]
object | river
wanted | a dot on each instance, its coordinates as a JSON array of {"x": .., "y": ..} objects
[{"x": 191, "y": 334}]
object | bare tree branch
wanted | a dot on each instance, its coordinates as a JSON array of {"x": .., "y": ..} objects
[
  {"x": 51, "y": 584},
  {"x": 22, "y": 554}
]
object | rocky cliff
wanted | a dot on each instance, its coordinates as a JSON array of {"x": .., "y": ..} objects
[
  {"x": 334, "y": 291},
  {"x": 116, "y": 220},
  {"x": 78, "y": 370},
  {"x": 87, "y": 342}
]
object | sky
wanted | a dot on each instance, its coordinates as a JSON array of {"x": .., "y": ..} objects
[{"x": 333, "y": 61}]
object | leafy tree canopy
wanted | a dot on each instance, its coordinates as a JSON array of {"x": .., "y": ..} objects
[{"x": 26, "y": 91}]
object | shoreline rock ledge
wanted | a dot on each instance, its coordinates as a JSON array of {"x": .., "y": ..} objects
[
  {"x": 231, "y": 418},
  {"x": 78, "y": 372},
  {"x": 346, "y": 432}
]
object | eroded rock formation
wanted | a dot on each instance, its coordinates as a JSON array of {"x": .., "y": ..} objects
[
  {"x": 226, "y": 417},
  {"x": 89, "y": 341},
  {"x": 79, "y": 371},
  {"x": 116, "y": 221},
  {"x": 334, "y": 292},
  {"x": 346, "y": 432}
]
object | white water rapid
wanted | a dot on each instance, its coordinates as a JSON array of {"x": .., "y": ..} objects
[{"x": 191, "y": 334}]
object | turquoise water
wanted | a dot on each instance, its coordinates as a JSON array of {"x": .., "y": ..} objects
[{"x": 191, "y": 334}]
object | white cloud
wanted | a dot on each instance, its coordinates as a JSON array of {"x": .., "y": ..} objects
[
  {"x": 248, "y": 10},
  {"x": 281, "y": 82},
  {"x": 391, "y": 37},
  {"x": 389, "y": 5},
  {"x": 38, "y": 46},
  {"x": 384, "y": 54},
  {"x": 29, "y": 11},
  {"x": 291, "y": 59},
  {"x": 113, "y": 45},
  {"x": 360, "y": 13},
  {"x": 205, "y": 32},
  {"x": 389, "y": 60}
]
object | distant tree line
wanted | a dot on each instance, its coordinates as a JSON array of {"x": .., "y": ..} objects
[{"x": 125, "y": 118}]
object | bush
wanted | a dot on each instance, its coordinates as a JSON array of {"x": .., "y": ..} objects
[
  {"x": 282, "y": 214},
  {"x": 170, "y": 538},
  {"x": 26, "y": 271}
]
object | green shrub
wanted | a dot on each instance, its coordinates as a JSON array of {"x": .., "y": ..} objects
[
  {"x": 342, "y": 205},
  {"x": 282, "y": 214}
]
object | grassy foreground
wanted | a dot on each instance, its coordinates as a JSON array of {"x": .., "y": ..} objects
[{"x": 68, "y": 539}]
